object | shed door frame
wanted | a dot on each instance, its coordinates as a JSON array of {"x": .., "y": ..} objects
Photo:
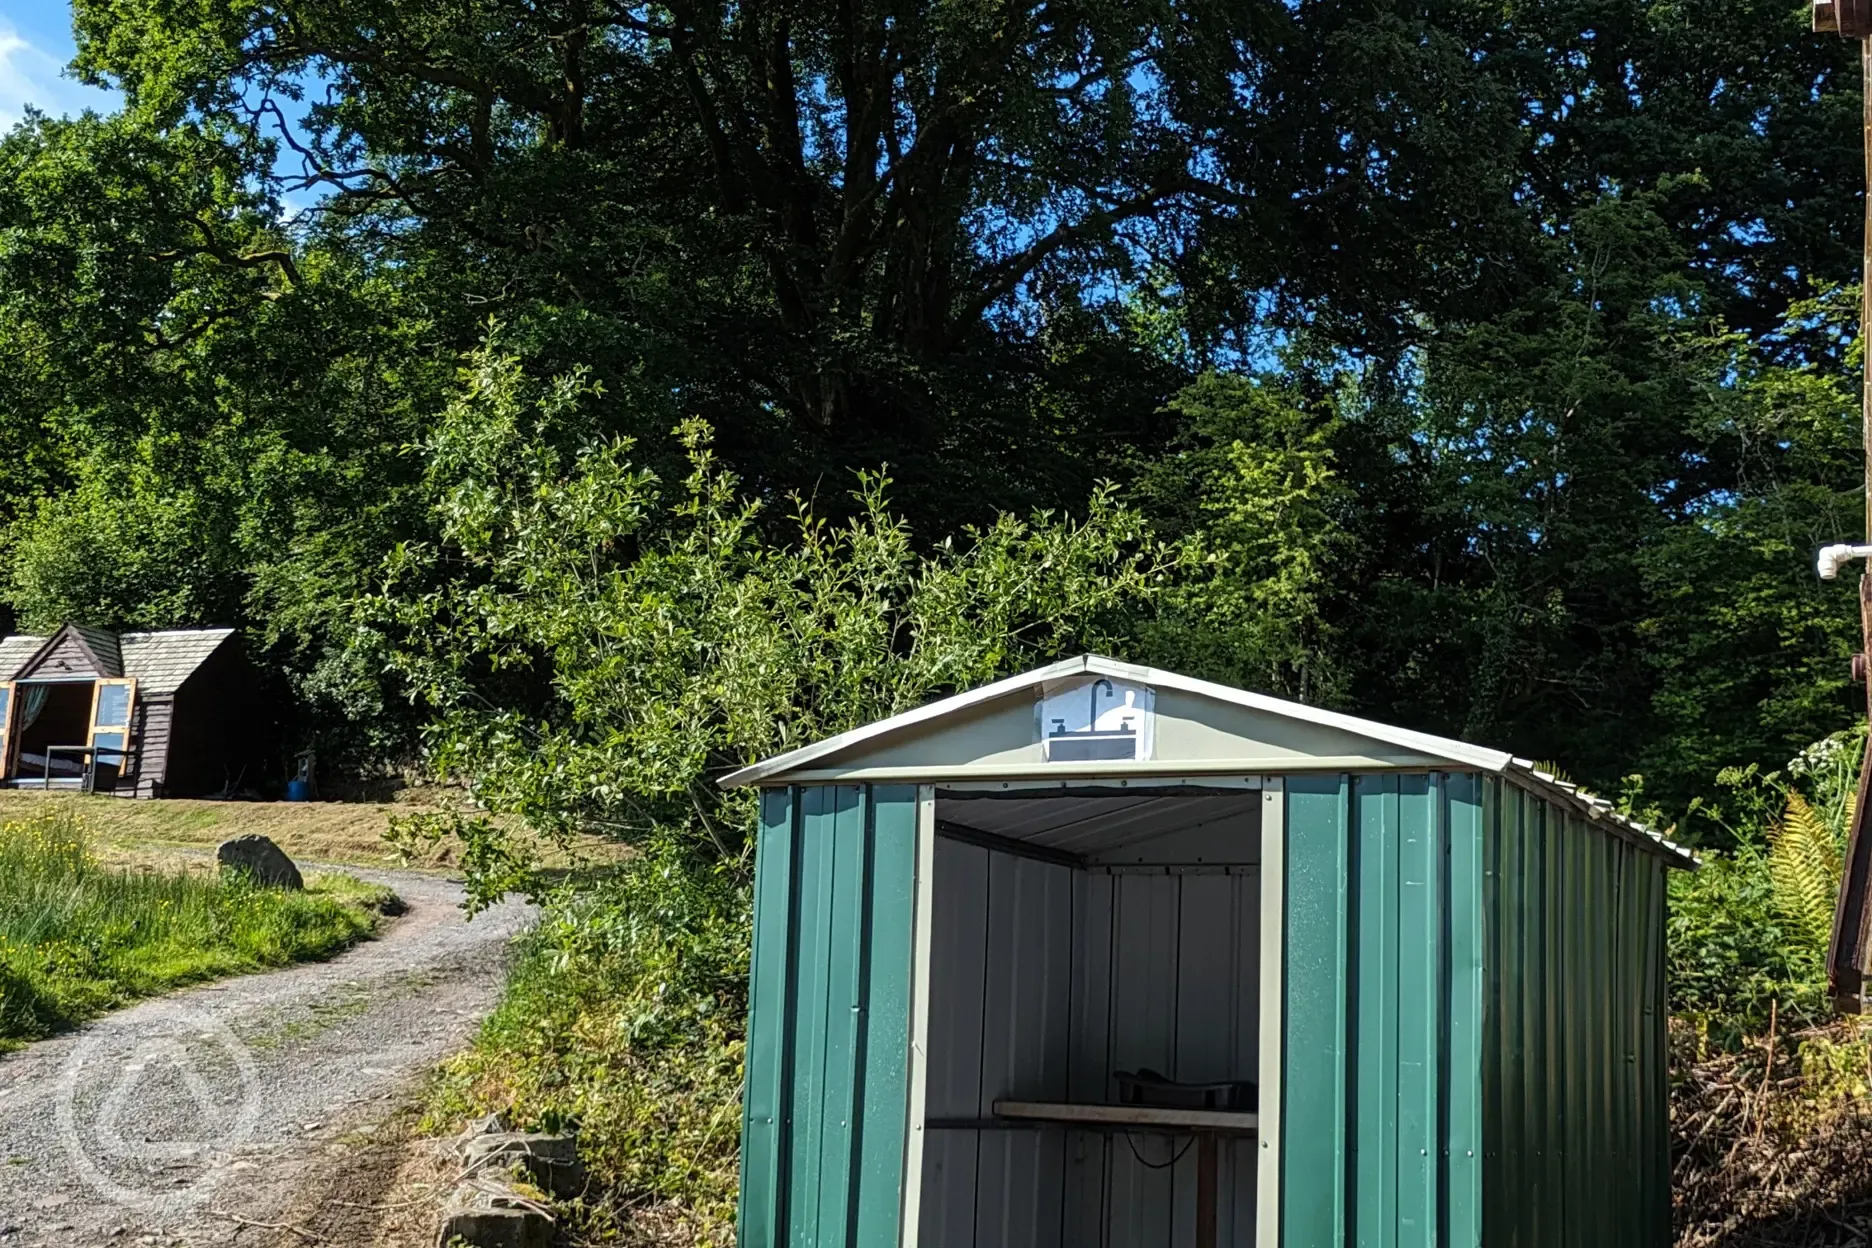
[
  {"x": 129, "y": 685},
  {"x": 1268, "y": 1101},
  {"x": 1273, "y": 1021},
  {"x": 8, "y": 717}
]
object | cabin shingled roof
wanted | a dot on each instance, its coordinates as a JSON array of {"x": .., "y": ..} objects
[{"x": 159, "y": 661}]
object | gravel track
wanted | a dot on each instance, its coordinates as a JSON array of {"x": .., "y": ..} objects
[{"x": 193, "y": 1119}]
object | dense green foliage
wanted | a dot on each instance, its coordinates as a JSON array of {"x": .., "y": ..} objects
[
  {"x": 77, "y": 938},
  {"x": 1484, "y": 367},
  {"x": 595, "y": 654}
]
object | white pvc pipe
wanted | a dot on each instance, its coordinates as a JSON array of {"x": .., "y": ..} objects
[{"x": 1831, "y": 558}]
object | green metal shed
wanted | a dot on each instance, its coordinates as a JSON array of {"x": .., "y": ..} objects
[{"x": 989, "y": 930}]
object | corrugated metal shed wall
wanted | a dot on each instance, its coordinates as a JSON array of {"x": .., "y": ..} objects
[
  {"x": 1473, "y": 987},
  {"x": 1001, "y": 970},
  {"x": 1474, "y": 1028},
  {"x": 822, "y": 1149},
  {"x": 1574, "y": 1089},
  {"x": 1046, "y": 979}
]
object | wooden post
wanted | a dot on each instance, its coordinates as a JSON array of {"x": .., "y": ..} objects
[
  {"x": 1205, "y": 1189},
  {"x": 1865, "y": 279},
  {"x": 1847, "y": 946}
]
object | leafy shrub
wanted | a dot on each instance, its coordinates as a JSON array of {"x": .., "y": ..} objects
[
  {"x": 624, "y": 1020},
  {"x": 596, "y": 654},
  {"x": 1805, "y": 857},
  {"x": 1748, "y": 933}
]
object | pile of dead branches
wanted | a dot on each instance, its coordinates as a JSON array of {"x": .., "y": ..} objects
[{"x": 1772, "y": 1145}]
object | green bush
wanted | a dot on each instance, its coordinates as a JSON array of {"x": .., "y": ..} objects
[
  {"x": 624, "y": 1021},
  {"x": 1748, "y": 932},
  {"x": 595, "y": 648}
]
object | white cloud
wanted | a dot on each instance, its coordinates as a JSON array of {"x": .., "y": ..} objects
[{"x": 31, "y": 75}]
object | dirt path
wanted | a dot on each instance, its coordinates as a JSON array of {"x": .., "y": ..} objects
[{"x": 194, "y": 1119}]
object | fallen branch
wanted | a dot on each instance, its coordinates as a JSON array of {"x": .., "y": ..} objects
[{"x": 288, "y": 1227}]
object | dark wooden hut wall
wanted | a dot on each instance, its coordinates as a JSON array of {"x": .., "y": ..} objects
[
  {"x": 152, "y": 745},
  {"x": 213, "y": 732}
]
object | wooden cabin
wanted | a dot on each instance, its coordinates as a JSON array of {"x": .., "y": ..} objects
[{"x": 158, "y": 714}]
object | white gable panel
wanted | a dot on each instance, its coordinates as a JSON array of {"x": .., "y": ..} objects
[{"x": 1193, "y": 734}]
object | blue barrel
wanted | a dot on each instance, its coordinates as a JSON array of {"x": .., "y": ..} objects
[{"x": 298, "y": 791}]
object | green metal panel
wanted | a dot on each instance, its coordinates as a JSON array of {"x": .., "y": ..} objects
[
  {"x": 828, "y": 1082},
  {"x": 1580, "y": 1196},
  {"x": 1421, "y": 1025},
  {"x": 1576, "y": 1135},
  {"x": 1376, "y": 1007},
  {"x": 769, "y": 1026},
  {"x": 844, "y": 928},
  {"x": 883, "y": 1118},
  {"x": 1464, "y": 813},
  {"x": 1531, "y": 892},
  {"x": 1412, "y": 985},
  {"x": 1497, "y": 800},
  {"x": 1314, "y": 982},
  {"x": 1505, "y": 997},
  {"x": 1656, "y": 1104},
  {"x": 1491, "y": 1069},
  {"x": 811, "y": 1000},
  {"x": 1558, "y": 1010}
]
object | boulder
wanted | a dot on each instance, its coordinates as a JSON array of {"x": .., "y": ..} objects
[
  {"x": 261, "y": 860},
  {"x": 550, "y": 1161}
]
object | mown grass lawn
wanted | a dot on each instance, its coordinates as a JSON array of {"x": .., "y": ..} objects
[{"x": 78, "y": 937}]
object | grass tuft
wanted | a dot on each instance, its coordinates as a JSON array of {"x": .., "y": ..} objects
[{"x": 78, "y": 938}]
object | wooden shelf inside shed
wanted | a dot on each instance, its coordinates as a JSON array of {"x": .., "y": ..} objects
[{"x": 1130, "y": 1117}]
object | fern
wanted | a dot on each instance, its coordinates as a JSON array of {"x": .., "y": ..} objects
[{"x": 1804, "y": 863}]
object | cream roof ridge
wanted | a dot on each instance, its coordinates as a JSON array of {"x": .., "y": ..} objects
[{"x": 1457, "y": 752}]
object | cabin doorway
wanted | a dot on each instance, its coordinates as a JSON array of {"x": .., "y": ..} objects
[{"x": 53, "y": 727}]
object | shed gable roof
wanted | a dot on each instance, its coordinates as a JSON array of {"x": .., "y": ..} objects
[
  {"x": 159, "y": 661},
  {"x": 96, "y": 649},
  {"x": 162, "y": 661},
  {"x": 989, "y": 733}
]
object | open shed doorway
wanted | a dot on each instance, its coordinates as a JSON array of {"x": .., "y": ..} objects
[
  {"x": 52, "y": 713},
  {"x": 1080, "y": 936}
]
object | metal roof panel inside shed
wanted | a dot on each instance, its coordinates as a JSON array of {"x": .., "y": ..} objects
[{"x": 1118, "y": 825}]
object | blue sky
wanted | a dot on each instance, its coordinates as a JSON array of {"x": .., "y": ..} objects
[{"x": 35, "y": 45}]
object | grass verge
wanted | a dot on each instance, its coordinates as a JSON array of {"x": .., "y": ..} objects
[
  {"x": 342, "y": 832},
  {"x": 78, "y": 938},
  {"x": 624, "y": 1021}
]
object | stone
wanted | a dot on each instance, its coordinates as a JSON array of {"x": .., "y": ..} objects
[
  {"x": 260, "y": 859},
  {"x": 550, "y": 1161},
  {"x": 495, "y": 1228},
  {"x": 489, "y": 1124}
]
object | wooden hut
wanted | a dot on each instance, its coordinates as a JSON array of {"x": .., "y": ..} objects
[
  {"x": 144, "y": 714},
  {"x": 1106, "y": 955}
]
